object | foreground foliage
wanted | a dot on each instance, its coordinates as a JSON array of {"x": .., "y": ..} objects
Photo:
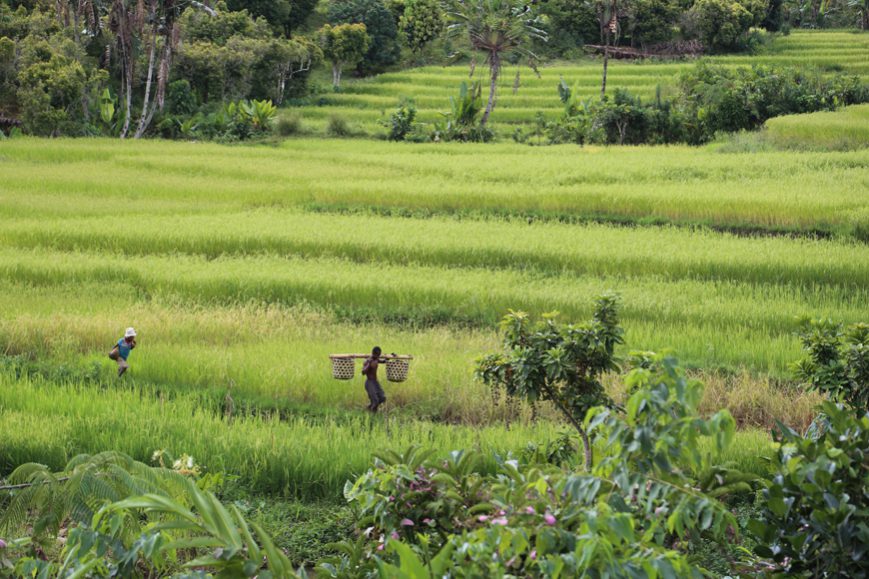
[
  {"x": 816, "y": 509},
  {"x": 656, "y": 483},
  {"x": 113, "y": 529}
]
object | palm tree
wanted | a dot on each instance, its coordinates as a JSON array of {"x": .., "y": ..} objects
[{"x": 497, "y": 28}]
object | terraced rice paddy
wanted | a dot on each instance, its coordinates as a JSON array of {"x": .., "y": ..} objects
[
  {"x": 827, "y": 131},
  {"x": 214, "y": 251},
  {"x": 365, "y": 102},
  {"x": 243, "y": 267}
]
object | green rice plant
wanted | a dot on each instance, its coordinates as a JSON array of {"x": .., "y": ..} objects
[
  {"x": 842, "y": 130},
  {"x": 46, "y": 423},
  {"x": 773, "y": 191},
  {"x": 545, "y": 247},
  {"x": 308, "y": 459},
  {"x": 254, "y": 359},
  {"x": 709, "y": 323}
]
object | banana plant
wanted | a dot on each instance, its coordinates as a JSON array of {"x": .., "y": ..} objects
[
  {"x": 263, "y": 114},
  {"x": 107, "y": 108}
]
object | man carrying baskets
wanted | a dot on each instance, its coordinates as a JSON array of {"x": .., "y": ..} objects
[{"x": 372, "y": 386}]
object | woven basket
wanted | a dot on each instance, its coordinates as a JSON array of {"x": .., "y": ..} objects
[
  {"x": 343, "y": 368},
  {"x": 397, "y": 369}
]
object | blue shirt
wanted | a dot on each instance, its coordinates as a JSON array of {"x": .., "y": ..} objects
[{"x": 124, "y": 348}]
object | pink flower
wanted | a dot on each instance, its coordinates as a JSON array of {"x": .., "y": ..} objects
[
  {"x": 530, "y": 510},
  {"x": 533, "y": 555},
  {"x": 482, "y": 518},
  {"x": 391, "y": 498},
  {"x": 380, "y": 547},
  {"x": 2, "y": 544},
  {"x": 500, "y": 521},
  {"x": 406, "y": 523},
  {"x": 550, "y": 520},
  {"x": 426, "y": 521},
  {"x": 394, "y": 535},
  {"x": 502, "y": 512}
]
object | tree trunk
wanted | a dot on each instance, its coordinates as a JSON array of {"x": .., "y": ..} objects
[
  {"x": 128, "y": 88},
  {"x": 146, "y": 104},
  {"x": 336, "y": 74},
  {"x": 586, "y": 443},
  {"x": 606, "y": 60},
  {"x": 589, "y": 450},
  {"x": 494, "y": 69}
]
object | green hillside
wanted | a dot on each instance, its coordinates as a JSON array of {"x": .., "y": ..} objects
[{"x": 367, "y": 101}]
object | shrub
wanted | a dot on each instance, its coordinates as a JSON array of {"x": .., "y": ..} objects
[
  {"x": 180, "y": 99},
  {"x": 816, "y": 519},
  {"x": 401, "y": 122},
  {"x": 622, "y": 119},
  {"x": 421, "y": 22},
  {"x": 383, "y": 49},
  {"x": 462, "y": 123},
  {"x": 715, "y": 98},
  {"x": 719, "y": 24},
  {"x": 562, "y": 364},
  {"x": 836, "y": 362},
  {"x": 288, "y": 125},
  {"x": 124, "y": 518},
  {"x": 338, "y": 127}
]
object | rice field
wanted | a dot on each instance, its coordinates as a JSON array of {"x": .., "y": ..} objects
[
  {"x": 825, "y": 131},
  {"x": 300, "y": 457},
  {"x": 244, "y": 267},
  {"x": 364, "y": 102}
]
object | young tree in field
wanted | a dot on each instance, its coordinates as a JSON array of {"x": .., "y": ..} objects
[
  {"x": 343, "y": 45},
  {"x": 559, "y": 363},
  {"x": 497, "y": 28}
]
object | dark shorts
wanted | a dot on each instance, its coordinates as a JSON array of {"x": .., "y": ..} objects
[{"x": 375, "y": 393}]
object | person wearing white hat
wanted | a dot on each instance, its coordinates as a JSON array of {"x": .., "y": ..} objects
[{"x": 122, "y": 350}]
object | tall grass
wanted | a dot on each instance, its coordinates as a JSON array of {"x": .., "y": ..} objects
[
  {"x": 772, "y": 191},
  {"x": 842, "y": 130},
  {"x": 307, "y": 459},
  {"x": 550, "y": 248}
]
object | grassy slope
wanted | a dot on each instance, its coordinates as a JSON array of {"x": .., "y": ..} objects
[
  {"x": 364, "y": 102},
  {"x": 847, "y": 129}
]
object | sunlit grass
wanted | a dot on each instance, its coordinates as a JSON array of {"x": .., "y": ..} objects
[
  {"x": 827, "y": 131},
  {"x": 305, "y": 458},
  {"x": 761, "y": 191}
]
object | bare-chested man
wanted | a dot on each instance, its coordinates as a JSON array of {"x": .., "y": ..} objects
[{"x": 372, "y": 386}]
